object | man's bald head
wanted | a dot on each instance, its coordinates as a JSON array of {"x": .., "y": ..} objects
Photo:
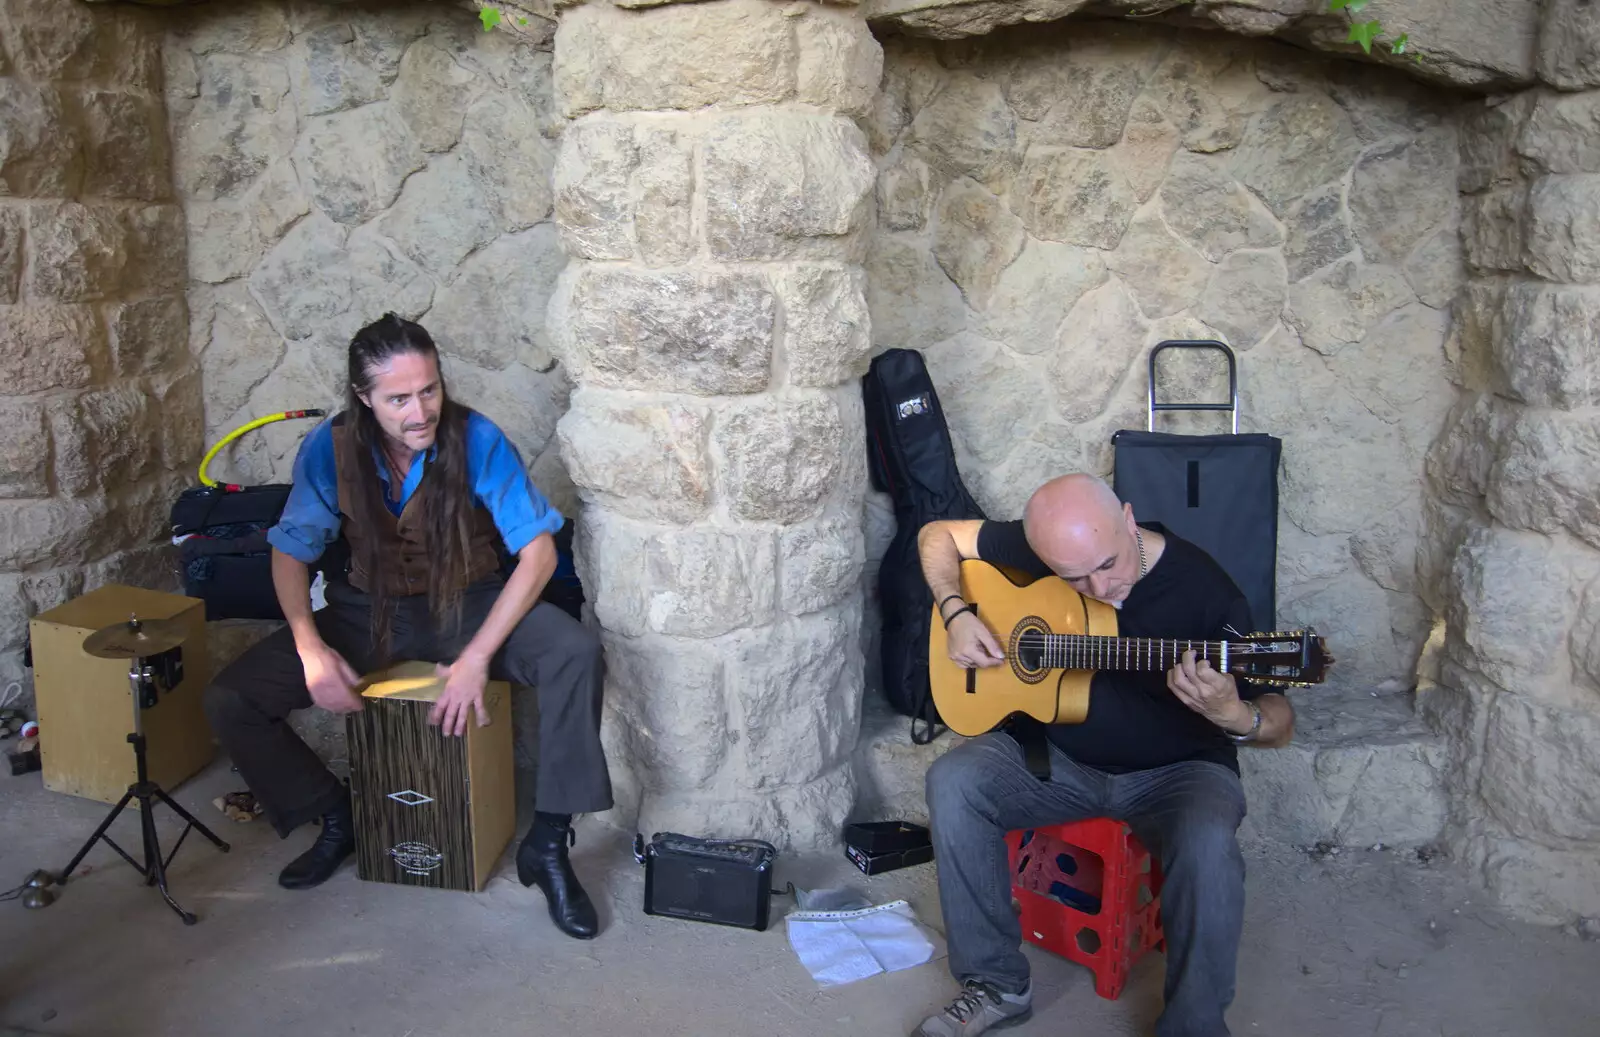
[
  {"x": 1078, "y": 527},
  {"x": 1072, "y": 500}
]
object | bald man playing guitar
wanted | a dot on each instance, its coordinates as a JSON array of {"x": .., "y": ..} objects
[{"x": 1156, "y": 749}]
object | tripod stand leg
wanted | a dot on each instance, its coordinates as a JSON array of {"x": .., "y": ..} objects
[
  {"x": 98, "y": 833},
  {"x": 202, "y": 829},
  {"x": 155, "y": 869},
  {"x": 147, "y": 832}
]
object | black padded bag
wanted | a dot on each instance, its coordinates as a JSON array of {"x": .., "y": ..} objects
[{"x": 911, "y": 458}]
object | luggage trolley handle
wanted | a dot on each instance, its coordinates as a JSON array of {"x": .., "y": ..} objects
[{"x": 1232, "y": 406}]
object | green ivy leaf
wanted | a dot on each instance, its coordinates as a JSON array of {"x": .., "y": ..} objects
[
  {"x": 490, "y": 16},
  {"x": 522, "y": 21},
  {"x": 1364, "y": 33},
  {"x": 1356, "y": 5},
  {"x": 1338, "y": 5},
  {"x": 1400, "y": 43}
]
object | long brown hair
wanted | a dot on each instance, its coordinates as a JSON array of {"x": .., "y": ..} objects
[{"x": 447, "y": 513}]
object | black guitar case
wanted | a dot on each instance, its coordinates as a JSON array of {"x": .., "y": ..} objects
[{"x": 911, "y": 458}]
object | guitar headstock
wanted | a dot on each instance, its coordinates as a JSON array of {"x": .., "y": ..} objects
[{"x": 1293, "y": 658}]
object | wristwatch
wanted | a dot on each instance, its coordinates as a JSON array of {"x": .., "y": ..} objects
[{"x": 1255, "y": 726}]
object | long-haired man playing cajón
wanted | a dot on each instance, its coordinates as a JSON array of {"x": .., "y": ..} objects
[{"x": 425, "y": 493}]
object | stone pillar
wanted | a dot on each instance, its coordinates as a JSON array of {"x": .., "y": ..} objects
[
  {"x": 1515, "y": 499},
  {"x": 714, "y": 195},
  {"x": 99, "y": 397}
]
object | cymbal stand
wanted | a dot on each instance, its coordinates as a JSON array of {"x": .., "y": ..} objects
[{"x": 142, "y": 681}]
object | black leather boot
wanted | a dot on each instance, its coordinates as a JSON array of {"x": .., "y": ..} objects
[
  {"x": 317, "y": 865},
  {"x": 542, "y": 859}
]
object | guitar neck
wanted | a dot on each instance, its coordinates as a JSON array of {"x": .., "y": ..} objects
[{"x": 1092, "y": 652}]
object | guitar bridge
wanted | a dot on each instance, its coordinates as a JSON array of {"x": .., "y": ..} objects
[{"x": 972, "y": 671}]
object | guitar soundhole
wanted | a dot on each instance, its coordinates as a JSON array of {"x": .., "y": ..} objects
[{"x": 1027, "y": 650}]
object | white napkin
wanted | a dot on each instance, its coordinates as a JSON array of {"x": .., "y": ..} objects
[{"x": 839, "y": 947}]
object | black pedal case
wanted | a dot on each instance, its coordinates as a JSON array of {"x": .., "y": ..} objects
[
  {"x": 723, "y": 882},
  {"x": 879, "y": 846}
]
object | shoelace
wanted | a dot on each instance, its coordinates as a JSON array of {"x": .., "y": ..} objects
[{"x": 970, "y": 1003}]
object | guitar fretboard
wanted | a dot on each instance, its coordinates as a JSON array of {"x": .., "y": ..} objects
[{"x": 1092, "y": 652}]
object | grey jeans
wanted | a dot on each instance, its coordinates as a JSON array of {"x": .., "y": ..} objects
[
  {"x": 1187, "y": 814},
  {"x": 249, "y": 702}
]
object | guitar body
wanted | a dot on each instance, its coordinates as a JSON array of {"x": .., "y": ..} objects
[{"x": 971, "y": 702}]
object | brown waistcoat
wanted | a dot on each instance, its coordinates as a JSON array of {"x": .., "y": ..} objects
[{"x": 404, "y": 556}]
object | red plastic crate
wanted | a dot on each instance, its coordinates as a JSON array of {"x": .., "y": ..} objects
[{"x": 1112, "y": 879}]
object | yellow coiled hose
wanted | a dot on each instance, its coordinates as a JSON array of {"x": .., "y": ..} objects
[{"x": 250, "y": 426}]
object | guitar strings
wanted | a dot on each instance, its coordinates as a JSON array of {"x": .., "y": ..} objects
[
  {"x": 1098, "y": 642},
  {"x": 1064, "y": 650},
  {"x": 1092, "y": 643},
  {"x": 1101, "y": 640}
]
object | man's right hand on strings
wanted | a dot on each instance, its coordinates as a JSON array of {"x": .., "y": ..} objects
[
  {"x": 972, "y": 644},
  {"x": 942, "y": 545}
]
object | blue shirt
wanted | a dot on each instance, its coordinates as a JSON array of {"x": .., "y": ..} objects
[{"x": 311, "y": 518}]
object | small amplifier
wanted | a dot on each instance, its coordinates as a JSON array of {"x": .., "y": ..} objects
[{"x": 721, "y": 881}]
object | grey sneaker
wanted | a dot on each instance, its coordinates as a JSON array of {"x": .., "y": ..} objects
[{"x": 979, "y": 1009}]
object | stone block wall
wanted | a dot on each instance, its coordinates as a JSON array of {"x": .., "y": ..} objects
[
  {"x": 715, "y": 193},
  {"x": 1513, "y": 508},
  {"x": 100, "y": 398},
  {"x": 1056, "y": 200},
  {"x": 340, "y": 160}
]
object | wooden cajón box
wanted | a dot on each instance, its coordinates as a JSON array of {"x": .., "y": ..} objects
[
  {"x": 86, "y": 705},
  {"x": 430, "y": 809}
]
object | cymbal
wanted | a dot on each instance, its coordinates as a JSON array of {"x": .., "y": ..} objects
[{"x": 135, "y": 639}]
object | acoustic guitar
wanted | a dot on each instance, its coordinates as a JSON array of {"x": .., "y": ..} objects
[{"x": 1055, "y": 639}]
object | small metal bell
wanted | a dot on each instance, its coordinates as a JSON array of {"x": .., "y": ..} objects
[
  {"x": 37, "y": 892},
  {"x": 35, "y": 897}
]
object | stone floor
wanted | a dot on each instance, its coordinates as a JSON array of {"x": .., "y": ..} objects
[{"x": 1358, "y": 943}]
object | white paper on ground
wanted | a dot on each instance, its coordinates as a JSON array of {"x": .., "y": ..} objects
[
  {"x": 839, "y": 947},
  {"x": 319, "y": 592}
]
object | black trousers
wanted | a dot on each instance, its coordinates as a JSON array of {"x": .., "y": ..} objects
[{"x": 249, "y": 702}]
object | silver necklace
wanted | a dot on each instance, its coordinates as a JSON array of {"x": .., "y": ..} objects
[{"x": 1138, "y": 537}]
